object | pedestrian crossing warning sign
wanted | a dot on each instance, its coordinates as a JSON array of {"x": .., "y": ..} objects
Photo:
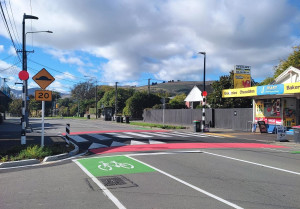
[{"x": 43, "y": 78}]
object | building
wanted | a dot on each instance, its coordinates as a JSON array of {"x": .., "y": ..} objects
[
  {"x": 194, "y": 98},
  {"x": 276, "y": 104}
]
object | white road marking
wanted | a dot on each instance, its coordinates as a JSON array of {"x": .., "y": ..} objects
[
  {"x": 99, "y": 137},
  {"x": 158, "y": 134},
  {"x": 134, "y": 142},
  {"x": 245, "y": 161},
  {"x": 174, "y": 134},
  {"x": 190, "y": 185},
  {"x": 138, "y": 134},
  {"x": 102, "y": 187},
  {"x": 155, "y": 142},
  {"x": 120, "y": 135},
  {"x": 78, "y": 139}
]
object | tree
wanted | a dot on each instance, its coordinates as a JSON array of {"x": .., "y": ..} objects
[
  {"x": 136, "y": 104},
  {"x": 15, "y": 107},
  {"x": 215, "y": 98},
  {"x": 292, "y": 60},
  {"x": 178, "y": 102},
  {"x": 108, "y": 99},
  {"x": 83, "y": 91}
]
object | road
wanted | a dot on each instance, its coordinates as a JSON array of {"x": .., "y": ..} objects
[{"x": 241, "y": 174}]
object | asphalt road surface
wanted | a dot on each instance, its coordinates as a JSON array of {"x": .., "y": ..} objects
[{"x": 213, "y": 175}]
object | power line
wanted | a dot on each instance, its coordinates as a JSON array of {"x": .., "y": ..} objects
[
  {"x": 7, "y": 28},
  {"x": 18, "y": 38},
  {"x": 12, "y": 27}
]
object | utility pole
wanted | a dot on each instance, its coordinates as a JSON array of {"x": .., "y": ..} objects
[
  {"x": 96, "y": 101},
  {"x": 149, "y": 86},
  {"x": 116, "y": 100},
  {"x": 204, "y": 93}
]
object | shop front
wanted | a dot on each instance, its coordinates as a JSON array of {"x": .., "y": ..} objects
[{"x": 276, "y": 105}]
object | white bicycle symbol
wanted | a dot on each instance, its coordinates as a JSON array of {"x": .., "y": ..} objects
[{"x": 108, "y": 166}]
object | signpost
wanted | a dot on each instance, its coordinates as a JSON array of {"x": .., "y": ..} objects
[{"x": 43, "y": 78}]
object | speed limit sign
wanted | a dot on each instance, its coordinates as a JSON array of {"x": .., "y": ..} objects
[{"x": 42, "y": 95}]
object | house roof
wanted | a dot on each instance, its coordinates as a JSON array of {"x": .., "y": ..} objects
[
  {"x": 195, "y": 95},
  {"x": 290, "y": 75}
]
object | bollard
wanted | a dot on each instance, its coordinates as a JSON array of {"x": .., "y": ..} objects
[{"x": 68, "y": 133}]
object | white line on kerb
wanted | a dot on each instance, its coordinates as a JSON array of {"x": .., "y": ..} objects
[
  {"x": 102, "y": 187},
  {"x": 245, "y": 161},
  {"x": 190, "y": 185}
]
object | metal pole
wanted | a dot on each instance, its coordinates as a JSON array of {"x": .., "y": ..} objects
[
  {"x": 96, "y": 101},
  {"x": 23, "y": 122},
  {"x": 43, "y": 115},
  {"x": 149, "y": 86},
  {"x": 204, "y": 97},
  {"x": 116, "y": 100}
]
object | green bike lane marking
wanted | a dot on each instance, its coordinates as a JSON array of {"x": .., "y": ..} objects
[{"x": 113, "y": 165}]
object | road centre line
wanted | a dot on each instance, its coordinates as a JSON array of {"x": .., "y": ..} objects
[
  {"x": 102, "y": 187},
  {"x": 190, "y": 185},
  {"x": 245, "y": 161}
]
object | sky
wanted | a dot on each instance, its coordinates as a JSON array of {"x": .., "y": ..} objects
[{"x": 131, "y": 41}]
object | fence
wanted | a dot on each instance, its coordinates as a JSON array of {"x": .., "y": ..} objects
[{"x": 234, "y": 118}]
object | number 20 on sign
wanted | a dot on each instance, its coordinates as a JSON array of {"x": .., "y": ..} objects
[{"x": 42, "y": 95}]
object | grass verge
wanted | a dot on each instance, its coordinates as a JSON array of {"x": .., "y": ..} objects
[
  {"x": 23, "y": 152},
  {"x": 157, "y": 125}
]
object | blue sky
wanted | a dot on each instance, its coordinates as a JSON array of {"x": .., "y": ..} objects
[{"x": 129, "y": 41}]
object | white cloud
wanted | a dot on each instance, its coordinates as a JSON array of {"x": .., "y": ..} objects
[
  {"x": 1, "y": 48},
  {"x": 12, "y": 51},
  {"x": 161, "y": 37}
]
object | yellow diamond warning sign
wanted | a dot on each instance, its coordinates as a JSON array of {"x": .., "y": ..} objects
[{"x": 43, "y": 78}]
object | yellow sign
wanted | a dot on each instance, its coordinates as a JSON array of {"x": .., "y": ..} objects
[
  {"x": 242, "y": 92},
  {"x": 241, "y": 80},
  {"x": 259, "y": 108},
  {"x": 42, "y": 95},
  {"x": 291, "y": 88},
  {"x": 43, "y": 78}
]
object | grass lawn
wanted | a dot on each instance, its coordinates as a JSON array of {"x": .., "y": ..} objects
[{"x": 23, "y": 152}]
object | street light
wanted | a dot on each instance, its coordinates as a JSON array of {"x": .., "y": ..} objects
[
  {"x": 203, "y": 94},
  {"x": 25, "y": 112}
]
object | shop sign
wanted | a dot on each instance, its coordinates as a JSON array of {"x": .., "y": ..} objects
[
  {"x": 242, "y": 92},
  {"x": 292, "y": 88},
  {"x": 242, "y": 69},
  {"x": 241, "y": 80},
  {"x": 270, "y": 89},
  {"x": 281, "y": 134}
]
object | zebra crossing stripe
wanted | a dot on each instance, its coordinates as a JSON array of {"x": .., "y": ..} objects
[
  {"x": 99, "y": 137},
  {"x": 134, "y": 142},
  {"x": 176, "y": 134},
  {"x": 159, "y": 134},
  {"x": 138, "y": 134},
  {"x": 78, "y": 139},
  {"x": 120, "y": 136},
  {"x": 155, "y": 142}
]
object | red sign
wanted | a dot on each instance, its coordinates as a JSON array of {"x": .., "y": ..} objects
[
  {"x": 23, "y": 75},
  {"x": 204, "y": 93}
]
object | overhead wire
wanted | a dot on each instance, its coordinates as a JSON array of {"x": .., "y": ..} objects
[
  {"x": 12, "y": 14},
  {"x": 14, "y": 32},
  {"x": 8, "y": 30}
]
